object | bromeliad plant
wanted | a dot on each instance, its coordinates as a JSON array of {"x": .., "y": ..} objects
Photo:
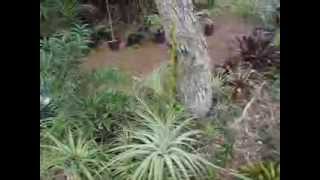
[
  {"x": 161, "y": 148},
  {"x": 262, "y": 171},
  {"x": 241, "y": 84},
  {"x": 77, "y": 157},
  {"x": 258, "y": 50}
]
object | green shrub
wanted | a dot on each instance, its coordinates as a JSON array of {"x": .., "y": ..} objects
[
  {"x": 245, "y": 8},
  {"x": 153, "y": 22},
  {"x": 59, "y": 59},
  {"x": 56, "y": 15},
  {"x": 68, "y": 8},
  {"x": 161, "y": 82},
  {"x": 108, "y": 78},
  {"x": 48, "y": 8},
  {"x": 261, "y": 11},
  {"x": 104, "y": 111},
  {"x": 161, "y": 148},
  {"x": 64, "y": 8},
  {"x": 276, "y": 88},
  {"x": 267, "y": 10},
  {"x": 211, "y": 4}
]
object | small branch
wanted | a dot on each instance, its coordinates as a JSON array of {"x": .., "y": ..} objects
[
  {"x": 110, "y": 19},
  {"x": 246, "y": 108}
]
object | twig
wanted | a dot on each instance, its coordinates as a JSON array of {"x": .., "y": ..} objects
[
  {"x": 110, "y": 19},
  {"x": 245, "y": 110}
]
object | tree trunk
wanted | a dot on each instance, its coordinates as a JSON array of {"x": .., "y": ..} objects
[{"x": 193, "y": 74}]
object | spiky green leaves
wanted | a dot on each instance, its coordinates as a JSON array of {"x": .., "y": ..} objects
[
  {"x": 76, "y": 156},
  {"x": 160, "y": 149},
  {"x": 262, "y": 171}
]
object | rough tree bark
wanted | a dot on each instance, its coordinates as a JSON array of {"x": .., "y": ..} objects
[{"x": 193, "y": 86}]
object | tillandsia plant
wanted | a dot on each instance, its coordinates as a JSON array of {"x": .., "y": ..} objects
[
  {"x": 160, "y": 148},
  {"x": 262, "y": 171},
  {"x": 77, "y": 157}
]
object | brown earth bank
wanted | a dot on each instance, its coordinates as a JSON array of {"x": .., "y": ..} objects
[{"x": 147, "y": 57}]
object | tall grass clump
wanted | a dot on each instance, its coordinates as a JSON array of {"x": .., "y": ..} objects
[{"x": 160, "y": 148}]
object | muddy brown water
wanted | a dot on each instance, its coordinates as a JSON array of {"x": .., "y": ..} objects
[{"x": 144, "y": 59}]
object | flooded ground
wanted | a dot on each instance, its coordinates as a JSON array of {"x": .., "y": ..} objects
[{"x": 145, "y": 58}]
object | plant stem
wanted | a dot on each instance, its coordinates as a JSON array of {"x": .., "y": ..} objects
[
  {"x": 110, "y": 20},
  {"x": 174, "y": 57}
]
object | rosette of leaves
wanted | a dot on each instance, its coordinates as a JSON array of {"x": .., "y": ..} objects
[
  {"x": 242, "y": 82},
  {"x": 75, "y": 156},
  {"x": 258, "y": 50},
  {"x": 160, "y": 148},
  {"x": 262, "y": 171}
]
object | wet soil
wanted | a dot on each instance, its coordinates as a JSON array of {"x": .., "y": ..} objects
[{"x": 145, "y": 58}]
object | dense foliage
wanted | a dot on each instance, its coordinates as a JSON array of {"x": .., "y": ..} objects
[{"x": 105, "y": 124}]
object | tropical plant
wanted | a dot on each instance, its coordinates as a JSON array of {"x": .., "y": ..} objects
[
  {"x": 241, "y": 84},
  {"x": 161, "y": 148},
  {"x": 268, "y": 12},
  {"x": 59, "y": 59},
  {"x": 262, "y": 171},
  {"x": 110, "y": 78},
  {"x": 258, "y": 50},
  {"x": 161, "y": 81},
  {"x": 105, "y": 110},
  {"x": 262, "y": 11},
  {"x": 276, "y": 40},
  {"x": 77, "y": 157},
  {"x": 219, "y": 81},
  {"x": 47, "y": 7},
  {"x": 153, "y": 19},
  {"x": 211, "y": 4},
  {"x": 68, "y": 8},
  {"x": 245, "y": 8}
]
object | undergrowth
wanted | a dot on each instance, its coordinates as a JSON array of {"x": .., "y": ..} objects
[
  {"x": 106, "y": 124},
  {"x": 259, "y": 11}
]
